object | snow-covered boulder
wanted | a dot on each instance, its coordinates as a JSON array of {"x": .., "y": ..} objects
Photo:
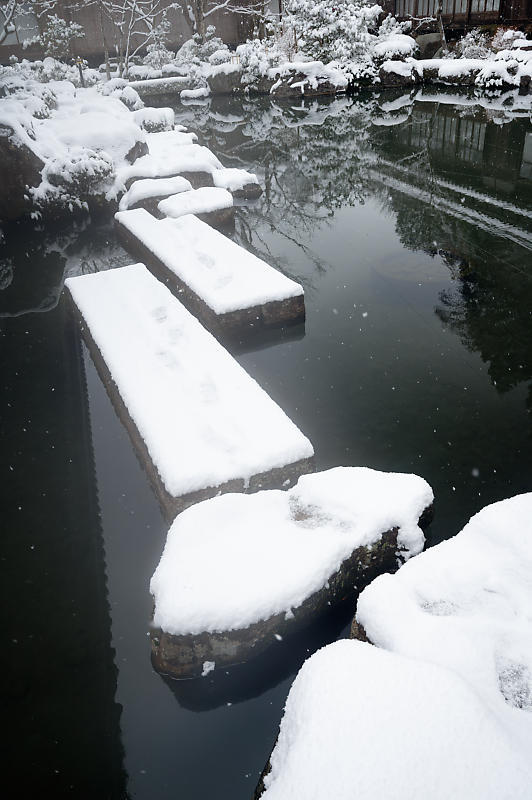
[
  {"x": 154, "y": 120},
  {"x": 366, "y": 723},
  {"x": 20, "y": 167},
  {"x": 211, "y": 204},
  {"x": 466, "y": 605},
  {"x": 148, "y": 192},
  {"x": 224, "y": 78},
  {"x": 239, "y": 571}
]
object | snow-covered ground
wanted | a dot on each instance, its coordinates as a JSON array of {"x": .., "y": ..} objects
[
  {"x": 203, "y": 420},
  {"x": 269, "y": 552},
  {"x": 220, "y": 272},
  {"x": 441, "y": 706}
]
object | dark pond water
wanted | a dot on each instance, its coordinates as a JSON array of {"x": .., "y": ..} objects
[{"x": 410, "y": 226}]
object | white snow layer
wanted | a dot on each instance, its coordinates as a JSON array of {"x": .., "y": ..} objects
[
  {"x": 203, "y": 419},
  {"x": 466, "y": 605},
  {"x": 225, "y": 276},
  {"x": 148, "y": 188},
  {"x": 233, "y": 179},
  {"x": 197, "y": 201},
  {"x": 268, "y": 552},
  {"x": 364, "y": 723}
]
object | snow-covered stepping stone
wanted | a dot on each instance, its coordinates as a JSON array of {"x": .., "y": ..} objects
[
  {"x": 148, "y": 192},
  {"x": 442, "y": 707},
  {"x": 211, "y": 204},
  {"x": 366, "y": 723},
  {"x": 225, "y": 285},
  {"x": 239, "y": 182},
  {"x": 240, "y": 571},
  {"x": 200, "y": 424}
]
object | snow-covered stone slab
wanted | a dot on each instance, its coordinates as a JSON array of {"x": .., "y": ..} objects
[
  {"x": 158, "y": 86},
  {"x": 211, "y": 204},
  {"x": 366, "y": 723},
  {"x": 201, "y": 425},
  {"x": 275, "y": 559},
  {"x": 225, "y": 285},
  {"x": 148, "y": 192}
]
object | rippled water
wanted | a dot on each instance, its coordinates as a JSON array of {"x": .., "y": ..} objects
[{"x": 410, "y": 225}]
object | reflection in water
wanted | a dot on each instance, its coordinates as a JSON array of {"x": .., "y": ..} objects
[
  {"x": 450, "y": 170},
  {"x": 409, "y": 223},
  {"x": 62, "y": 721}
]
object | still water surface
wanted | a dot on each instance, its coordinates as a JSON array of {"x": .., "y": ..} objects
[{"x": 410, "y": 226}]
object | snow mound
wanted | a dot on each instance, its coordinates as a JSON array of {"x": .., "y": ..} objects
[
  {"x": 197, "y": 201},
  {"x": 466, "y": 605},
  {"x": 366, "y": 723},
  {"x": 203, "y": 420},
  {"x": 269, "y": 552}
]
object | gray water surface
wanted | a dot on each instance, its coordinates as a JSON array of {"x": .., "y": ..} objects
[{"x": 409, "y": 223}]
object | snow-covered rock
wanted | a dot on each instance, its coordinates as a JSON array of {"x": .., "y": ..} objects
[
  {"x": 239, "y": 182},
  {"x": 377, "y": 725},
  {"x": 200, "y": 423},
  {"x": 152, "y": 189},
  {"x": 212, "y": 204},
  {"x": 274, "y": 559},
  {"x": 466, "y": 605},
  {"x": 221, "y": 281}
]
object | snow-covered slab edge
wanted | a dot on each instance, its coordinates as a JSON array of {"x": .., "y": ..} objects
[
  {"x": 171, "y": 506},
  {"x": 255, "y": 318},
  {"x": 184, "y": 655}
]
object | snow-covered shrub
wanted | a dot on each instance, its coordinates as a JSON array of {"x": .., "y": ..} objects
[
  {"x": 341, "y": 31},
  {"x": 157, "y": 53},
  {"x": 474, "y": 44},
  {"x": 258, "y": 56},
  {"x": 196, "y": 51},
  {"x": 155, "y": 120},
  {"x": 57, "y": 37},
  {"x": 72, "y": 179},
  {"x": 504, "y": 38},
  {"x": 80, "y": 172},
  {"x": 221, "y": 56}
]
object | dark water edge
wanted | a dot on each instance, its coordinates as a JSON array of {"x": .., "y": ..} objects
[{"x": 410, "y": 227}]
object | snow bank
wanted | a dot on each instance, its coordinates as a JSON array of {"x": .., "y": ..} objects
[
  {"x": 153, "y": 187},
  {"x": 203, "y": 420},
  {"x": 197, "y": 201},
  {"x": 465, "y": 606},
  {"x": 362, "y": 722},
  {"x": 224, "y": 275},
  {"x": 269, "y": 552}
]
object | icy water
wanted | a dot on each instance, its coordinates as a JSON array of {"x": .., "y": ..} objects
[{"x": 410, "y": 226}]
